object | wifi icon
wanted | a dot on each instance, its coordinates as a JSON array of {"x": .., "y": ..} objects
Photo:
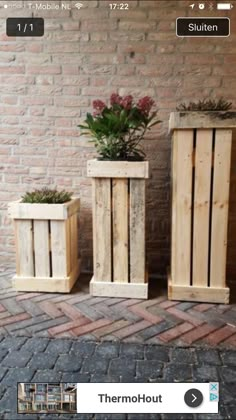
[{"x": 78, "y": 5}]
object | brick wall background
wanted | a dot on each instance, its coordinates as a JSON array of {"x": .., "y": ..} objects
[{"x": 48, "y": 84}]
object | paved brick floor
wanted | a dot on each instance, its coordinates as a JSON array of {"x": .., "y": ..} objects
[
  {"x": 78, "y": 315},
  {"x": 54, "y": 360}
]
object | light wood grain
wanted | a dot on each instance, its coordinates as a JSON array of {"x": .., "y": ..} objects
[
  {"x": 120, "y": 229},
  {"x": 203, "y": 160},
  {"x": 102, "y": 229},
  {"x": 41, "y": 248},
  {"x": 182, "y": 201},
  {"x": 207, "y": 119},
  {"x": 125, "y": 290},
  {"x": 24, "y": 244},
  {"x": 58, "y": 244},
  {"x": 137, "y": 230},
  {"x": 47, "y": 284},
  {"x": 120, "y": 169},
  {"x": 18, "y": 210},
  {"x": 222, "y": 160},
  {"x": 198, "y": 294}
]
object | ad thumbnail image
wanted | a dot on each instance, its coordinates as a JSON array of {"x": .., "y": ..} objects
[{"x": 47, "y": 397}]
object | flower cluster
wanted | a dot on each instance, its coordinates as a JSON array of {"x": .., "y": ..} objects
[
  {"x": 145, "y": 104},
  {"x": 118, "y": 128},
  {"x": 98, "y": 107},
  {"x": 125, "y": 102}
]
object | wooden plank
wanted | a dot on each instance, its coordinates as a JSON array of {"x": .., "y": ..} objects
[
  {"x": 41, "y": 248},
  {"x": 73, "y": 240},
  {"x": 101, "y": 191},
  {"x": 119, "y": 169},
  {"x": 198, "y": 294},
  {"x": 137, "y": 230},
  {"x": 69, "y": 266},
  {"x": 182, "y": 201},
  {"x": 122, "y": 290},
  {"x": 47, "y": 284},
  {"x": 209, "y": 119},
  {"x": 203, "y": 160},
  {"x": 120, "y": 229},
  {"x": 173, "y": 200},
  {"x": 58, "y": 245},
  {"x": 222, "y": 161},
  {"x": 18, "y": 210},
  {"x": 24, "y": 246}
]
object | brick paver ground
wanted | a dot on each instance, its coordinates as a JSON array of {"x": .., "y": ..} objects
[
  {"x": 52, "y": 360},
  {"x": 78, "y": 315}
]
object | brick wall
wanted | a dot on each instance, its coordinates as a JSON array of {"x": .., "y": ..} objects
[{"x": 48, "y": 84}]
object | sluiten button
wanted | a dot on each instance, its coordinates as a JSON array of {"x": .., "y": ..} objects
[{"x": 202, "y": 27}]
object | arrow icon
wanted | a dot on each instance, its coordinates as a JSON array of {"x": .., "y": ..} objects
[
  {"x": 194, "y": 398},
  {"x": 192, "y": 5}
]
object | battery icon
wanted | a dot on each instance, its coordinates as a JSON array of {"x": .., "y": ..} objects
[{"x": 224, "y": 6}]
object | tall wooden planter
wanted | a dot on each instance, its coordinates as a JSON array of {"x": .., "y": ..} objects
[
  {"x": 118, "y": 228},
  {"x": 46, "y": 237},
  {"x": 201, "y": 156}
]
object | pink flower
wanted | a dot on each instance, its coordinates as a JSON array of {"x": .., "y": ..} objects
[
  {"x": 115, "y": 99},
  {"x": 127, "y": 102},
  {"x": 145, "y": 104},
  {"x": 98, "y": 107}
]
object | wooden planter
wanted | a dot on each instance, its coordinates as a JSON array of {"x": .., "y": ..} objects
[
  {"x": 201, "y": 156},
  {"x": 118, "y": 228},
  {"x": 46, "y": 237}
]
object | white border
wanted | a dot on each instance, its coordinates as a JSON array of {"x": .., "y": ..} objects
[{"x": 203, "y": 36}]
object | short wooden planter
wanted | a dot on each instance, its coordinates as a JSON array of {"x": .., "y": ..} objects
[
  {"x": 118, "y": 228},
  {"x": 46, "y": 237},
  {"x": 201, "y": 156}
]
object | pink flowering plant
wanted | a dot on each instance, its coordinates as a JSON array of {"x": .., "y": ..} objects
[{"x": 118, "y": 129}]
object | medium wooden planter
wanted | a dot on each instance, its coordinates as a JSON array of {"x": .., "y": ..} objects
[
  {"x": 201, "y": 156},
  {"x": 46, "y": 237},
  {"x": 118, "y": 228}
]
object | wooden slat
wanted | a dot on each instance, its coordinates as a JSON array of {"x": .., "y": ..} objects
[
  {"x": 182, "y": 198},
  {"x": 18, "y": 210},
  {"x": 213, "y": 119},
  {"x": 198, "y": 294},
  {"x": 203, "y": 160},
  {"x": 119, "y": 169},
  {"x": 47, "y": 284},
  {"x": 68, "y": 247},
  {"x": 24, "y": 246},
  {"x": 137, "y": 230},
  {"x": 120, "y": 229},
  {"x": 222, "y": 160},
  {"x": 173, "y": 200},
  {"x": 101, "y": 190},
  {"x": 73, "y": 240},
  {"x": 58, "y": 245},
  {"x": 41, "y": 248},
  {"x": 122, "y": 290}
]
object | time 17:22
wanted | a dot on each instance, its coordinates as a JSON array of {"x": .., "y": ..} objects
[{"x": 119, "y": 6}]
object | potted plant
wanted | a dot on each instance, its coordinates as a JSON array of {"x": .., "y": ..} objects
[
  {"x": 46, "y": 236},
  {"x": 201, "y": 155},
  {"x": 118, "y": 182}
]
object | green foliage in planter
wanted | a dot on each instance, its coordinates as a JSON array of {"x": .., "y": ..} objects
[
  {"x": 206, "y": 105},
  {"x": 47, "y": 195},
  {"x": 117, "y": 130}
]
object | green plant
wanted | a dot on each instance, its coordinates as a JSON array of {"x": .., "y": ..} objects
[
  {"x": 117, "y": 130},
  {"x": 47, "y": 195},
  {"x": 206, "y": 105}
]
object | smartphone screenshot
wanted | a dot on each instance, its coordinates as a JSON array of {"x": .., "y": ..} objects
[{"x": 117, "y": 209}]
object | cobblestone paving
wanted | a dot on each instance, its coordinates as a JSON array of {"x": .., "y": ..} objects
[
  {"x": 41, "y": 359},
  {"x": 78, "y": 315}
]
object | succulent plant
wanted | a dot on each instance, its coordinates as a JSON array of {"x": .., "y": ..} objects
[
  {"x": 206, "y": 105},
  {"x": 47, "y": 195}
]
